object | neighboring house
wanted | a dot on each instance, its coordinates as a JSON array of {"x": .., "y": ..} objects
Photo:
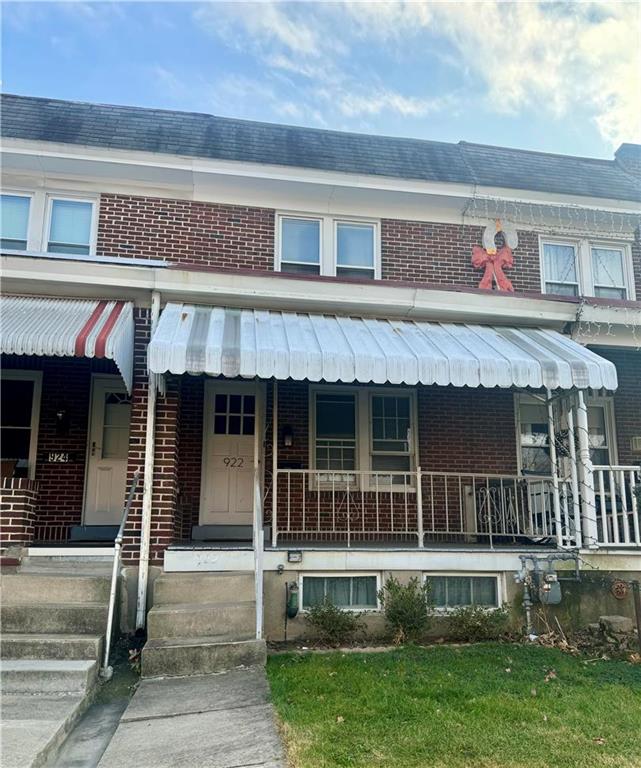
[{"x": 307, "y": 308}]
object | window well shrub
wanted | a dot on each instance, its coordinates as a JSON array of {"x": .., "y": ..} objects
[
  {"x": 473, "y": 623},
  {"x": 333, "y": 625},
  {"x": 406, "y": 608}
]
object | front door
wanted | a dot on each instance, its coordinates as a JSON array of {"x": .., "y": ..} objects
[
  {"x": 228, "y": 454},
  {"x": 108, "y": 449}
]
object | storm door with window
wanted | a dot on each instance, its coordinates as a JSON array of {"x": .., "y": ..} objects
[
  {"x": 108, "y": 451},
  {"x": 228, "y": 454}
]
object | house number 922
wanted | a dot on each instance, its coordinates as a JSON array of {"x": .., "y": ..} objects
[{"x": 233, "y": 461}]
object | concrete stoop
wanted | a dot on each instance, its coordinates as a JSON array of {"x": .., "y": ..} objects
[
  {"x": 201, "y": 623},
  {"x": 54, "y": 619}
]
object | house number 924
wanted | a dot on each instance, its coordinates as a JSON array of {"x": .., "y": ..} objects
[{"x": 233, "y": 461}]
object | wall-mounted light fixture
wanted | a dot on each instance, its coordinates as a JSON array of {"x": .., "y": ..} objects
[
  {"x": 62, "y": 420},
  {"x": 287, "y": 435}
]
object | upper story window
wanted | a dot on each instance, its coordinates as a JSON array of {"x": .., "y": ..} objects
[
  {"x": 608, "y": 270},
  {"x": 560, "y": 269},
  {"x": 15, "y": 221},
  {"x": 325, "y": 245},
  {"x": 45, "y": 222},
  {"x": 69, "y": 226},
  {"x": 584, "y": 268}
]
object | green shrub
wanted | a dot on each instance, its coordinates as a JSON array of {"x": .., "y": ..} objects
[
  {"x": 473, "y": 623},
  {"x": 333, "y": 625},
  {"x": 406, "y": 608}
]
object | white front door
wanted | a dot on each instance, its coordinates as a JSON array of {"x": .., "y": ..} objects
[
  {"x": 108, "y": 449},
  {"x": 228, "y": 454}
]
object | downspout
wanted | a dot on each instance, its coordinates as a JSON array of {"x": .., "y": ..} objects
[{"x": 148, "y": 480}]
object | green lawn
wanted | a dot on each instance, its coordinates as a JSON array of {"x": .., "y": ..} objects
[{"x": 482, "y": 706}]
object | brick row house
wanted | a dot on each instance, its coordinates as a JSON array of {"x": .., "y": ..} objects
[{"x": 280, "y": 332}]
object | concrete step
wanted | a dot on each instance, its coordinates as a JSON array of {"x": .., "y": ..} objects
[
  {"x": 30, "y": 646},
  {"x": 29, "y": 587},
  {"x": 54, "y": 618},
  {"x": 206, "y": 655},
  {"x": 35, "y": 725},
  {"x": 46, "y": 676},
  {"x": 219, "y": 587},
  {"x": 233, "y": 621}
]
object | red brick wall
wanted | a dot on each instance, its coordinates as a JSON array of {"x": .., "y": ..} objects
[
  {"x": 190, "y": 454},
  {"x": 186, "y": 232},
  {"x": 441, "y": 254},
  {"x": 627, "y": 400},
  {"x": 18, "y": 499}
]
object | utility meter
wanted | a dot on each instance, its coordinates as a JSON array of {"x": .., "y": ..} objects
[{"x": 548, "y": 587}]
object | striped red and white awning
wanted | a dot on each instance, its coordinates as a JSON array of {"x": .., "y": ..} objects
[{"x": 34, "y": 325}]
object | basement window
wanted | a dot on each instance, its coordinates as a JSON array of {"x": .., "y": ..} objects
[
  {"x": 460, "y": 590},
  {"x": 350, "y": 592}
]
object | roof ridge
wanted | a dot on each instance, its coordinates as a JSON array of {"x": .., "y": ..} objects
[{"x": 464, "y": 143}]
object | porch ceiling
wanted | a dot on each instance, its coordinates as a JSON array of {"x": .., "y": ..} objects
[
  {"x": 69, "y": 328},
  {"x": 300, "y": 346}
]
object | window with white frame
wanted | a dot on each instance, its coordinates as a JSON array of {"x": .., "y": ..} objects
[
  {"x": 19, "y": 416},
  {"x": 587, "y": 268},
  {"x": 326, "y": 245},
  {"x": 601, "y": 431},
  {"x": 70, "y": 224},
  {"x": 15, "y": 222},
  {"x": 335, "y": 424},
  {"x": 560, "y": 269},
  {"x": 608, "y": 272},
  {"x": 534, "y": 440},
  {"x": 460, "y": 590},
  {"x": 47, "y": 222},
  {"x": 355, "y": 592},
  {"x": 390, "y": 433},
  {"x": 534, "y": 437},
  {"x": 355, "y": 249},
  {"x": 300, "y": 245},
  {"x": 363, "y": 429}
]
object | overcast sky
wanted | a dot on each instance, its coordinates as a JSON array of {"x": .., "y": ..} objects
[{"x": 560, "y": 77}]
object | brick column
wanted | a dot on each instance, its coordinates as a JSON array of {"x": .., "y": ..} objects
[
  {"x": 17, "y": 511},
  {"x": 166, "y": 520}
]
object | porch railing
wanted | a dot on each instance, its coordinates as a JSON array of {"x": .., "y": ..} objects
[
  {"x": 106, "y": 671},
  {"x": 617, "y": 508},
  {"x": 354, "y": 505}
]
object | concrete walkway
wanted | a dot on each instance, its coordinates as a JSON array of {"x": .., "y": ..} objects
[{"x": 208, "y": 721}]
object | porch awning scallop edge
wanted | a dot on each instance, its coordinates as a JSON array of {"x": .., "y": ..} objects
[
  {"x": 289, "y": 345},
  {"x": 33, "y": 325}
]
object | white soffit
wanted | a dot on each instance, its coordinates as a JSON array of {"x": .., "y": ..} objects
[
  {"x": 320, "y": 347},
  {"x": 69, "y": 328}
]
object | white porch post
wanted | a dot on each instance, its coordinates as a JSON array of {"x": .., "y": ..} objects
[
  {"x": 148, "y": 479},
  {"x": 274, "y": 461},
  {"x": 259, "y": 533},
  {"x": 555, "y": 472},
  {"x": 574, "y": 477},
  {"x": 586, "y": 475}
]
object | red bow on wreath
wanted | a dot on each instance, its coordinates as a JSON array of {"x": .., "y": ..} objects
[{"x": 494, "y": 262}]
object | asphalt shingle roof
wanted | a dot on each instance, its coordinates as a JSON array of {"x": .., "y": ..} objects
[{"x": 208, "y": 136}]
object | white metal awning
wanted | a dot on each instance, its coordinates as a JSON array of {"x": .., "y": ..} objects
[
  {"x": 288, "y": 345},
  {"x": 69, "y": 328}
]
